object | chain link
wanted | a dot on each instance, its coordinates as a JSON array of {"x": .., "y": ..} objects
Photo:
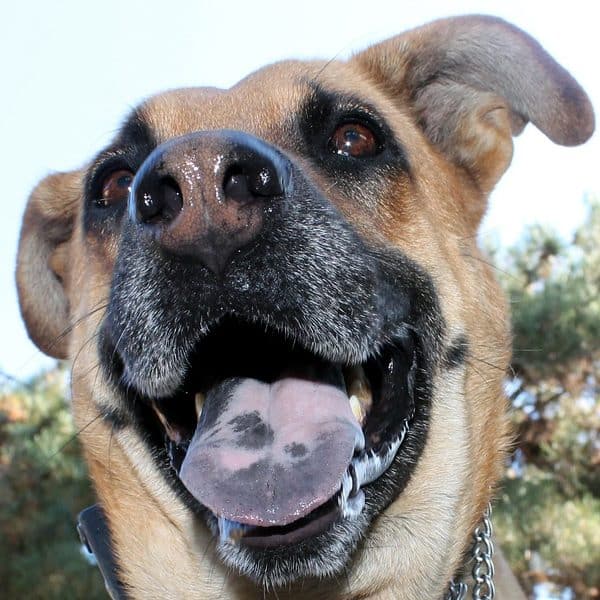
[
  {"x": 456, "y": 591},
  {"x": 482, "y": 554}
]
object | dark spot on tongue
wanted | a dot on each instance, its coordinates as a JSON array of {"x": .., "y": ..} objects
[
  {"x": 296, "y": 450},
  {"x": 253, "y": 431},
  {"x": 268, "y": 454}
]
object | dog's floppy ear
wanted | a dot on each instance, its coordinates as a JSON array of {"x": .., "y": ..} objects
[
  {"x": 42, "y": 260},
  {"x": 475, "y": 81}
]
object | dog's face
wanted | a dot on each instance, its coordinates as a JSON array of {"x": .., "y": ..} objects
[{"x": 288, "y": 352}]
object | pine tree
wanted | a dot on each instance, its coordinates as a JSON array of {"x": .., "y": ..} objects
[
  {"x": 549, "y": 512},
  {"x": 43, "y": 486}
]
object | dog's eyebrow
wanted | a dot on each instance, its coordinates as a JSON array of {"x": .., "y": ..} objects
[
  {"x": 322, "y": 103},
  {"x": 136, "y": 132},
  {"x": 133, "y": 143}
]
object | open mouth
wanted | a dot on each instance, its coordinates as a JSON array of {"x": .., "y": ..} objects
[{"x": 277, "y": 443}]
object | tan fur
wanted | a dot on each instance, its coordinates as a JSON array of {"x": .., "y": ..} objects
[
  {"x": 47, "y": 227},
  {"x": 458, "y": 126}
]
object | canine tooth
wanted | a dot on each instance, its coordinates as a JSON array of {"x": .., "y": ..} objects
[
  {"x": 347, "y": 484},
  {"x": 357, "y": 409},
  {"x": 199, "y": 402},
  {"x": 352, "y": 506},
  {"x": 357, "y": 385}
]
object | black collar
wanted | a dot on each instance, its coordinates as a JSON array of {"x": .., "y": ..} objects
[{"x": 95, "y": 536}]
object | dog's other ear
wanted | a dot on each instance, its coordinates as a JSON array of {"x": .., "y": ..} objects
[
  {"x": 42, "y": 260},
  {"x": 473, "y": 82}
]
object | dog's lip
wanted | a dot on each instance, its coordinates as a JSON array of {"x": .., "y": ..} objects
[
  {"x": 313, "y": 526},
  {"x": 309, "y": 526}
]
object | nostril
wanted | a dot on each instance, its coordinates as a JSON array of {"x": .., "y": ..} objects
[
  {"x": 160, "y": 202},
  {"x": 172, "y": 198},
  {"x": 252, "y": 179},
  {"x": 235, "y": 186},
  {"x": 265, "y": 181}
]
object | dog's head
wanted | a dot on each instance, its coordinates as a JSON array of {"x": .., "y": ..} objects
[{"x": 288, "y": 352}]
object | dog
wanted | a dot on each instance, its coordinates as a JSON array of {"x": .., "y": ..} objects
[{"x": 287, "y": 350}]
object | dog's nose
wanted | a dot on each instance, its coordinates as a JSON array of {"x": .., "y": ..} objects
[{"x": 208, "y": 194}]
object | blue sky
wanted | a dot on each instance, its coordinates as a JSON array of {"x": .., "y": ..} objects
[{"x": 72, "y": 70}]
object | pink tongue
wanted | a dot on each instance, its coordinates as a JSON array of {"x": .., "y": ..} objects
[{"x": 269, "y": 454}]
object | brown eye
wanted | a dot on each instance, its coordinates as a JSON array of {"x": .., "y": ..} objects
[
  {"x": 354, "y": 139},
  {"x": 115, "y": 187}
]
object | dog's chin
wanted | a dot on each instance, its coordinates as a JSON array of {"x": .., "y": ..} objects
[
  {"x": 302, "y": 533},
  {"x": 316, "y": 557}
]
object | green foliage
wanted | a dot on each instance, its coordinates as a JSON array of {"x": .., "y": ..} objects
[
  {"x": 548, "y": 515},
  {"x": 43, "y": 485},
  {"x": 546, "y": 535},
  {"x": 555, "y": 294}
]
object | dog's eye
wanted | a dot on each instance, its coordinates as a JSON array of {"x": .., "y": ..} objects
[
  {"x": 115, "y": 187},
  {"x": 355, "y": 140}
]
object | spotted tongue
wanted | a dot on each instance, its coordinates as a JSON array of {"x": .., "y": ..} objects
[{"x": 268, "y": 454}]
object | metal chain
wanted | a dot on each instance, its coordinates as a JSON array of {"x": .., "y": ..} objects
[
  {"x": 456, "y": 591},
  {"x": 482, "y": 554}
]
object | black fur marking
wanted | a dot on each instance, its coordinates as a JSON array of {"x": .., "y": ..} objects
[
  {"x": 323, "y": 112},
  {"x": 118, "y": 419},
  {"x": 456, "y": 354},
  {"x": 135, "y": 132},
  {"x": 133, "y": 144},
  {"x": 405, "y": 306}
]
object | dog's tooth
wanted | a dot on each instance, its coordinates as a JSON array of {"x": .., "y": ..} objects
[
  {"x": 351, "y": 506},
  {"x": 357, "y": 409},
  {"x": 199, "y": 403},
  {"x": 358, "y": 386},
  {"x": 357, "y": 382}
]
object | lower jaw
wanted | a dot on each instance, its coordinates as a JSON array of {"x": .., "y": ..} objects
[
  {"x": 309, "y": 561},
  {"x": 327, "y": 540}
]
